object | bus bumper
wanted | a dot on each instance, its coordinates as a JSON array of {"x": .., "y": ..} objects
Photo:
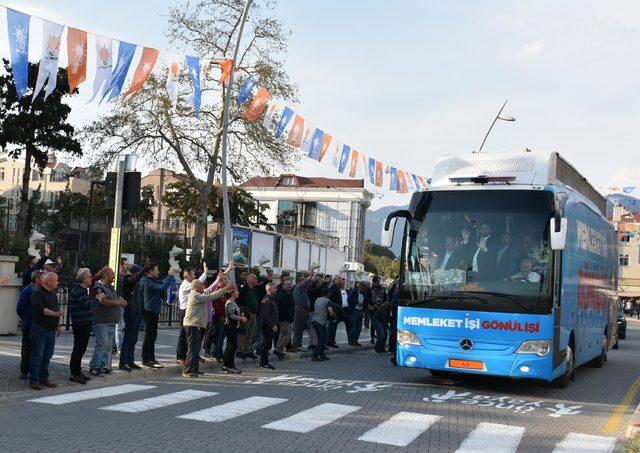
[{"x": 511, "y": 365}]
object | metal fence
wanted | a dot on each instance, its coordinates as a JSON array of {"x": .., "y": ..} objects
[{"x": 169, "y": 314}]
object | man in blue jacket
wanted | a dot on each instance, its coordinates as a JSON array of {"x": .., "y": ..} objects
[
  {"x": 153, "y": 289},
  {"x": 25, "y": 313}
]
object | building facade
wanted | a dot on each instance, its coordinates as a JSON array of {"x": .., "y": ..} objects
[
  {"x": 160, "y": 179},
  {"x": 626, "y": 225},
  {"x": 329, "y": 211},
  {"x": 52, "y": 182}
]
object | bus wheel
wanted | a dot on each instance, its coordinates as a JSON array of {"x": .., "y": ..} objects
[
  {"x": 569, "y": 374},
  {"x": 598, "y": 362}
]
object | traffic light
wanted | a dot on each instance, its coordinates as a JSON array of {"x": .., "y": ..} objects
[{"x": 130, "y": 190}]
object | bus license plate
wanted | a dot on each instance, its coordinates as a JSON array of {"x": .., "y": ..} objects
[{"x": 467, "y": 364}]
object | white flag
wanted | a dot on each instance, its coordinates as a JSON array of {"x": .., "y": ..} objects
[
  {"x": 307, "y": 135},
  {"x": 172, "y": 80},
  {"x": 272, "y": 114},
  {"x": 51, "y": 34},
  {"x": 104, "y": 66},
  {"x": 336, "y": 152}
]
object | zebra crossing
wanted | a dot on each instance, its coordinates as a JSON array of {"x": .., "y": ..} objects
[{"x": 399, "y": 430}]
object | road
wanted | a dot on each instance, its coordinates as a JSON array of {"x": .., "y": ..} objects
[{"x": 355, "y": 402}]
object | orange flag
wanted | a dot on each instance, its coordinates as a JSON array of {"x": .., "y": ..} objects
[
  {"x": 378, "y": 180},
  {"x": 354, "y": 163},
  {"x": 257, "y": 105},
  {"x": 77, "y": 56},
  {"x": 326, "y": 141},
  {"x": 143, "y": 71},
  {"x": 225, "y": 65},
  {"x": 295, "y": 134}
]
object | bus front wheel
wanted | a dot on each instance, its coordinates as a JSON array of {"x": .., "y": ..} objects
[{"x": 569, "y": 374}]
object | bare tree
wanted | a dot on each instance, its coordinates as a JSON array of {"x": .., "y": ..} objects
[{"x": 149, "y": 126}]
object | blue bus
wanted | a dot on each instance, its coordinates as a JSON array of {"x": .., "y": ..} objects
[{"x": 508, "y": 268}]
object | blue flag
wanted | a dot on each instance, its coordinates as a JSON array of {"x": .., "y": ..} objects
[
  {"x": 18, "y": 26},
  {"x": 372, "y": 170},
  {"x": 316, "y": 145},
  {"x": 245, "y": 91},
  {"x": 287, "y": 113},
  {"x": 416, "y": 182},
  {"x": 632, "y": 202},
  {"x": 628, "y": 189},
  {"x": 119, "y": 74},
  {"x": 193, "y": 63},
  {"x": 393, "y": 183},
  {"x": 344, "y": 158}
]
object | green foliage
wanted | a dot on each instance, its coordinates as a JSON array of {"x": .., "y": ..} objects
[
  {"x": 380, "y": 260},
  {"x": 37, "y": 211},
  {"x": 378, "y": 250}
]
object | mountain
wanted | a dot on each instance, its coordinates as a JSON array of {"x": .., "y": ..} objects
[{"x": 375, "y": 222}]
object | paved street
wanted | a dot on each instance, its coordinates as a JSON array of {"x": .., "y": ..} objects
[{"x": 354, "y": 402}]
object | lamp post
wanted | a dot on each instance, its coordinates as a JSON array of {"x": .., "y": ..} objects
[
  {"x": 223, "y": 150},
  {"x": 498, "y": 117}
]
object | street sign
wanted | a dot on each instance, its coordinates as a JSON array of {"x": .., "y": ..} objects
[{"x": 114, "y": 253}]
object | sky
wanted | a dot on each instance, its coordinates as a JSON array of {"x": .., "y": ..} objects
[{"x": 410, "y": 80}]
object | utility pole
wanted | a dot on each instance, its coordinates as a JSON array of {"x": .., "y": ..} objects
[
  {"x": 223, "y": 152},
  {"x": 114, "y": 248}
]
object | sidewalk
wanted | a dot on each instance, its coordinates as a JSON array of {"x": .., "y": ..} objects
[{"x": 165, "y": 354}]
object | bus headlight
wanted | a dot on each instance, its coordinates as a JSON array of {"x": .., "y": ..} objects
[
  {"x": 406, "y": 337},
  {"x": 537, "y": 347}
]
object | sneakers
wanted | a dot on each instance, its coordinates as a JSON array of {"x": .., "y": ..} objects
[
  {"x": 267, "y": 366},
  {"x": 85, "y": 377},
  {"x": 157, "y": 364},
  {"x": 126, "y": 368},
  {"x": 96, "y": 372},
  {"x": 77, "y": 379},
  {"x": 190, "y": 375},
  {"x": 233, "y": 370}
]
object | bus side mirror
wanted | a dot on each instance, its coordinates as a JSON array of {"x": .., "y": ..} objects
[
  {"x": 558, "y": 232},
  {"x": 386, "y": 237}
]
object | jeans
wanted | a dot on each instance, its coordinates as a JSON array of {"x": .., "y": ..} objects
[
  {"x": 105, "y": 335},
  {"x": 217, "y": 339},
  {"x": 81, "y": 334},
  {"x": 192, "y": 363},
  {"x": 285, "y": 336},
  {"x": 381, "y": 335},
  {"x": 150, "y": 336},
  {"x": 321, "y": 331},
  {"x": 181, "y": 348},
  {"x": 25, "y": 352},
  {"x": 355, "y": 326},
  {"x": 267, "y": 335},
  {"x": 300, "y": 322},
  {"x": 120, "y": 328},
  {"x": 246, "y": 341},
  {"x": 132, "y": 321},
  {"x": 43, "y": 343},
  {"x": 231, "y": 332}
]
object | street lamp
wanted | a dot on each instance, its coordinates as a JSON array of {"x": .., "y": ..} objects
[{"x": 498, "y": 117}]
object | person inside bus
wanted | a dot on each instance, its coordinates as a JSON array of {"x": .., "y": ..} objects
[
  {"x": 506, "y": 258},
  {"x": 526, "y": 273},
  {"x": 481, "y": 255},
  {"x": 451, "y": 257}
]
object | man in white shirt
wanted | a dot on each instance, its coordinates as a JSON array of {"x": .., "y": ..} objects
[
  {"x": 483, "y": 257},
  {"x": 183, "y": 298},
  {"x": 526, "y": 274}
]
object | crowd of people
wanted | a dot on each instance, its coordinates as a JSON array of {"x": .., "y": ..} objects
[{"x": 254, "y": 318}]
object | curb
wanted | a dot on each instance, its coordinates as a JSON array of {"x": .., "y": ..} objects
[
  {"x": 633, "y": 429},
  {"x": 211, "y": 365}
]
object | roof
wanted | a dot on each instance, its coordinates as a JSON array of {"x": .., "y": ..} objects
[{"x": 304, "y": 181}]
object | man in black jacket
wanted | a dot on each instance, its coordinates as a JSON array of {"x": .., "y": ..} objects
[
  {"x": 128, "y": 290},
  {"x": 81, "y": 313},
  {"x": 284, "y": 301},
  {"x": 268, "y": 323},
  {"x": 339, "y": 297}
]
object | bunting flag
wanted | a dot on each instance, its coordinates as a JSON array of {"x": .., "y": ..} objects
[
  {"x": 18, "y": 26},
  {"x": 416, "y": 182},
  {"x": 326, "y": 143},
  {"x": 246, "y": 90},
  {"x": 272, "y": 116},
  {"x": 172, "y": 80},
  {"x": 295, "y": 133},
  {"x": 354, "y": 163},
  {"x": 193, "y": 64},
  {"x": 309, "y": 130},
  {"x": 226, "y": 66},
  {"x": 628, "y": 189},
  {"x": 77, "y": 57},
  {"x": 402, "y": 182},
  {"x": 371, "y": 166},
  {"x": 104, "y": 65},
  {"x": 143, "y": 71},
  {"x": 393, "y": 178},
  {"x": 336, "y": 153},
  {"x": 258, "y": 105},
  {"x": 285, "y": 117},
  {"x": 379, "y": 174},
  {"x": 125, "y": 56},
  {"x": 205, "y": 67},
  {"x": 424, "y": 183},
  {"x": 317, "y": 139},
  {"x": 344, "y": 158},
  {"x": 48, "y": 71}
]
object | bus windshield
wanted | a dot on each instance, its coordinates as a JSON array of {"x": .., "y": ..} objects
[{"x": 481, "y": 250}]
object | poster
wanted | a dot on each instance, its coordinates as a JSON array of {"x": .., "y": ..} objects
[
  {"x": 262, "y": 249},
  {"x": 239, "y": 247},
  {"x": 289, "y": 252}
]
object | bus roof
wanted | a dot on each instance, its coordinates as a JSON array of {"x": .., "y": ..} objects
[{"x": 525, "y": 169}]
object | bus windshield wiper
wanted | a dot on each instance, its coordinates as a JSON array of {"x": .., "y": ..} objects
[
  {"x": 452, "y": 296},
  {"x": 506, "y": 296}
]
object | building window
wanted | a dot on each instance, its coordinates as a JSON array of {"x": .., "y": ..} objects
[
  {"x": 625, "y": 237},
  {"x": 287, "y": 212},
  {"x": 288, "y": 181},
  {"x": 624, "y": 260},
  {"x": 2, "y": 174}
]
